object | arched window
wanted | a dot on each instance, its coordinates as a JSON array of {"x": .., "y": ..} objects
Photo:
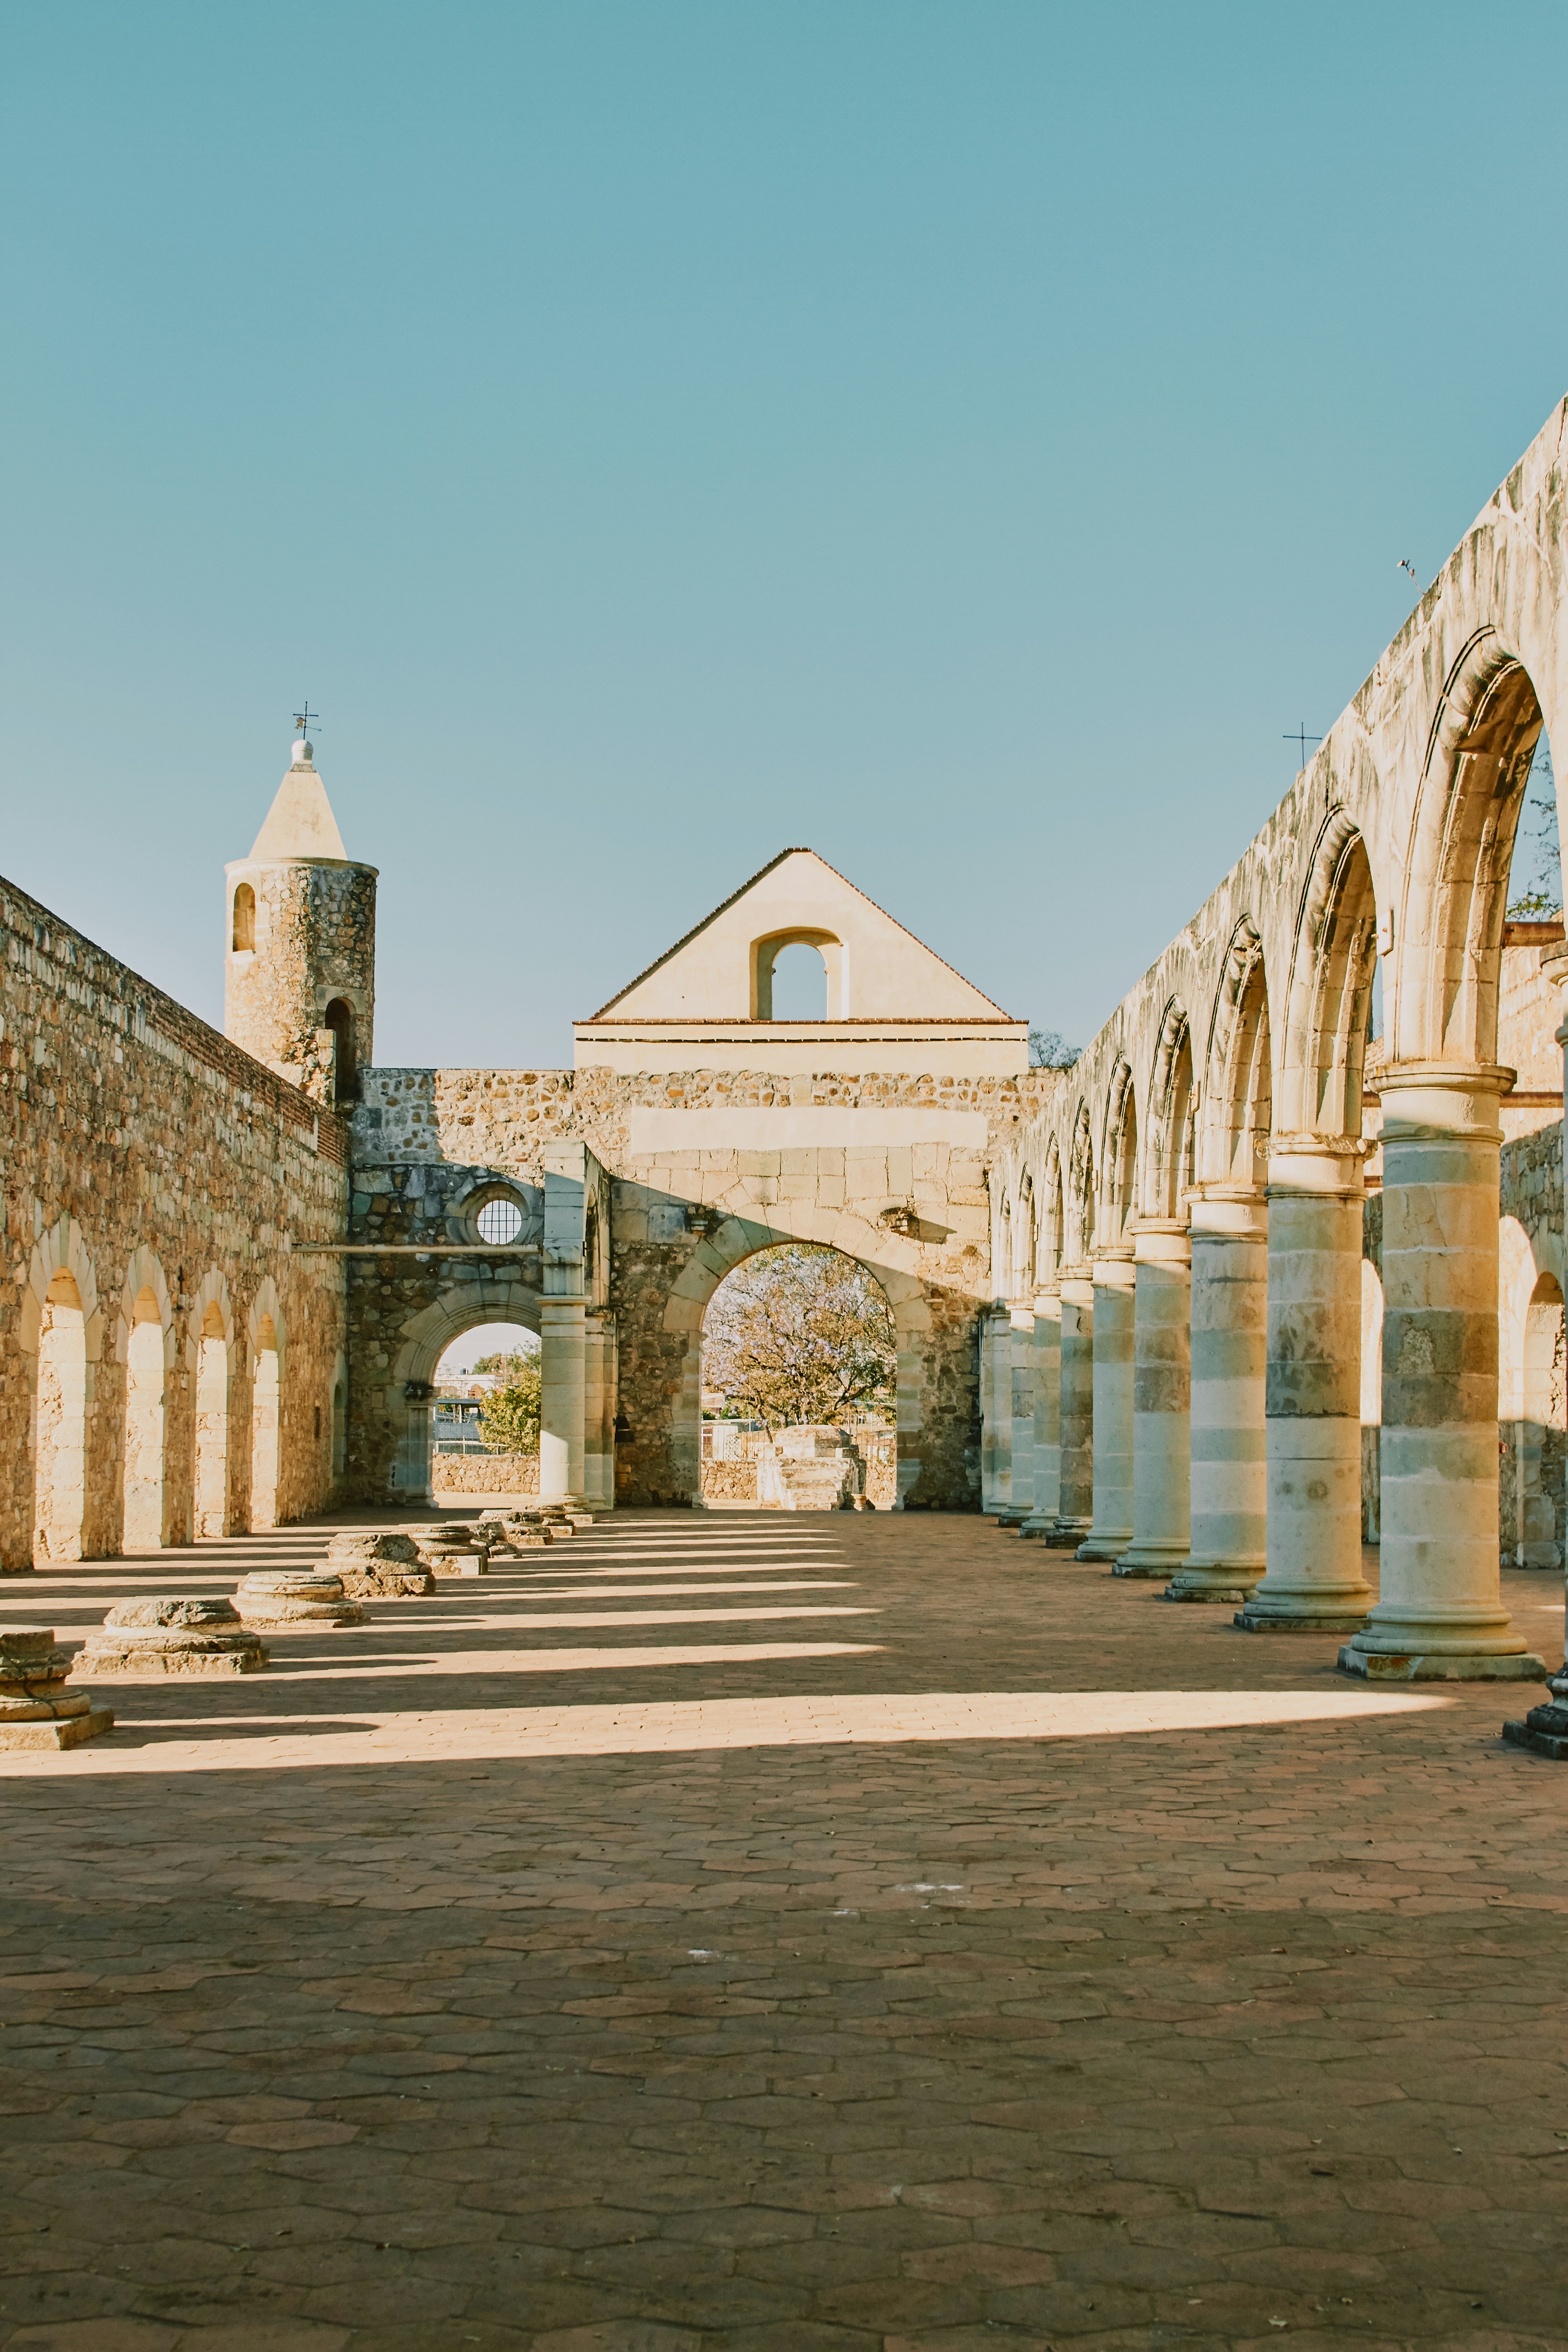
[
  {"x": 339, "y": 1018},
  {"x": 244, "y": 920}
]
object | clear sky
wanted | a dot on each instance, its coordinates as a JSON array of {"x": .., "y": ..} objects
[{"x": 963, "y": 438}]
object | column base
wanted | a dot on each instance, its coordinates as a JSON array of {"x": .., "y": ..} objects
[
  {"x": 1234, "y": 1581},
  {"x": 1150, "y": 1559},
  {"x": 1443, "y": 1666},
  {"x": 1106, "y": 1544},
  {"x": 1042, "y": 1529},
  {"x": 1545, "y": 1730},
  {"x": 1341, "y": 1611},
  {"x": 1010, "y": 1520},
  {"x": 64, "y": 1731}
]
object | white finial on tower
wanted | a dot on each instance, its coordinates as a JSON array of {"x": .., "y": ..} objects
[{"x": 304, "y": 751}]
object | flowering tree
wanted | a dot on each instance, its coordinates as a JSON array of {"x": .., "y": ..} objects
[{"x": 800, "y": 1334}]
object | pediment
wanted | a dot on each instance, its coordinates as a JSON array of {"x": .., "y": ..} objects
[{"x": 878, "y": 971}]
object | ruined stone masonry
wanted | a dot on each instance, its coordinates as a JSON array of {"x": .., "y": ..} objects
[{"x": 1246, "y": 1285}]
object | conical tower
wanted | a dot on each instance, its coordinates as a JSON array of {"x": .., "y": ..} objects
[{"x": 300, "y": 974}]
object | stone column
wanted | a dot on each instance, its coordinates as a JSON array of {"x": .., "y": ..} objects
[
  {"x": 1439, "y": 1616},
  {"x": 1230, "y": 1349},
  {"x": 1545, "y": 1727},
  {"x": 599, "y": 1409},
  {"x": 1045, "y": 1509},
  {"x": 1021, "y": 1404},
  {"x": 1161, "y": 1397},
  {"x": 1111, "y": 1532},
  {"x": 997, "y": 1407},
  {"x": 1312, "y": 1427},
  {"x": 563, "y": 1398},
  {"x": 1075, "y": 1517}
]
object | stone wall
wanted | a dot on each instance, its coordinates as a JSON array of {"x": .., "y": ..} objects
[
  {"x": 428, "y": 1143},
  {"x": 485, "y": 1473},
  {"x": 146, "y": 1158}
]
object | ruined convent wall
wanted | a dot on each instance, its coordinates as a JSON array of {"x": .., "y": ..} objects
[
  {"x": 146, "y": 1158},
  {"x": 706, "y": 1167}
]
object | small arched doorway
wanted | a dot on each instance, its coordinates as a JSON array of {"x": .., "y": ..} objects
[
  {"x": 799, "y": 1384},
  {"x": 213, "y": 1376},
  {"x": 60, "y": 1457},
  {"x": 143, "y": 1521},
  {"x": 266, "y": 1397}
]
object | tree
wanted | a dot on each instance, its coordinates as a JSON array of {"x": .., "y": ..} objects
[
  {"x": 1542, "y": 902},
  {"x": 506, "y": 1366},
  {"x": 800, "y": 1334},
  {"x": 510, "y": 1418},
  {"x": 1049, "y": 1050}
]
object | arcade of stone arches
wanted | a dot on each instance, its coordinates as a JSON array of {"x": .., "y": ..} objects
[{"x": 1236, "y": 1186}]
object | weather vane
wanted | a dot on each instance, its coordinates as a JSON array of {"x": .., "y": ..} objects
[
  {"x": 302, "y": 718},
  {"x": 1303, "y": 738}
]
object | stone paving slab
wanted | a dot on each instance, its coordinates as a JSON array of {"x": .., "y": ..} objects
[{"x": 1042, "y": 1966}]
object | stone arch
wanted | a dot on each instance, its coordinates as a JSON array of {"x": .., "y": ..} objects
[
  {"x": 1168, "y": 1155},
  {"x": 1080, "y": 1233},
  {"x": 209, "y": 1354},
  {"x": 890, "y": 1259},
  {"x": 144, "y": 1344},
  {"x": 1118, "y": 1158},
  {"x": 458, "y": 1306},
  {"x": 60, "y": 1329},
  {"x": 1446, "y": 956},
  {"x": 1025, "y": 1241},
  {"x": 1002, "y": 1249},
  {"x": 1329, "y": 1002},
  {"x": 264, "y": 1332},
  {"x": 1049, "y": 1256},
  {"x": 1235, "y": 1110}
]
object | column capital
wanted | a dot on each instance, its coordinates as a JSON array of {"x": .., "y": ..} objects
[
  {"x": 1441, "y": 1100},
  {"x": 1316, "y": 1167},
  {"x": 1162, "y": 1241},
  {"x": 1046, "y": 1296},
  {"x": 1234, "y": 1211}
]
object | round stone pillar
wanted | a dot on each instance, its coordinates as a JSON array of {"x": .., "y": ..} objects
[
  {"x": 1313, "y": 1392},
  {"x": 1230, "y": 1349},
  {"x": 1046, "y": 1506},
  {"x": 1440, "y": 1616},
  {"x": 1111, "y": 1531},
  {"x": 1076, "y": 1513},
  {"x": 1162, "y": 1398}
]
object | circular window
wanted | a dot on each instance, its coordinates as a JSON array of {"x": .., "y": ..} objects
[{"x": 499, "y": 1221}]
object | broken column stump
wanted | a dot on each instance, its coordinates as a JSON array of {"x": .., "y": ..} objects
[
  {"x": 181, "y": 1633},
  {"x": 284, "y": 1600},
  {"x": 377, "y": 1566},
  {"x": 1545, "y": 1730},
  {"x": 36, "y": 1710}
]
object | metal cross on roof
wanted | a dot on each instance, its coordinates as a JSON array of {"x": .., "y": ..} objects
[
  {"x": 1303, "y": 738},
  {"x": 302, "y": 718}
]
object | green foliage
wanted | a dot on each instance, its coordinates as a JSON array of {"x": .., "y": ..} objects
[
  {"x": 510, "y": 1419},
  {"x": 800, "y": 1334},
  {"x": 1049, "y": 1050}
]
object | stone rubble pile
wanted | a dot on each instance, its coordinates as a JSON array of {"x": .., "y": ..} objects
[
  {"x": 280, "y": 1598},
  {"x": 372, "y": 1567},
  {"x": 35, "y": 1708},
  {"x": 177, "y": 1633}
]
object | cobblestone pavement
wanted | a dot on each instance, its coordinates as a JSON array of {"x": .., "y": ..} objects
[{"x": 752, "y": 1932}]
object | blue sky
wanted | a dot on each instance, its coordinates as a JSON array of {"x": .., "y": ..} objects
[{"x": 962, "y": 439}]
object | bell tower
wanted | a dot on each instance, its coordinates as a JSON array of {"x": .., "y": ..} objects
[{"x": 299, "y": 967}]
